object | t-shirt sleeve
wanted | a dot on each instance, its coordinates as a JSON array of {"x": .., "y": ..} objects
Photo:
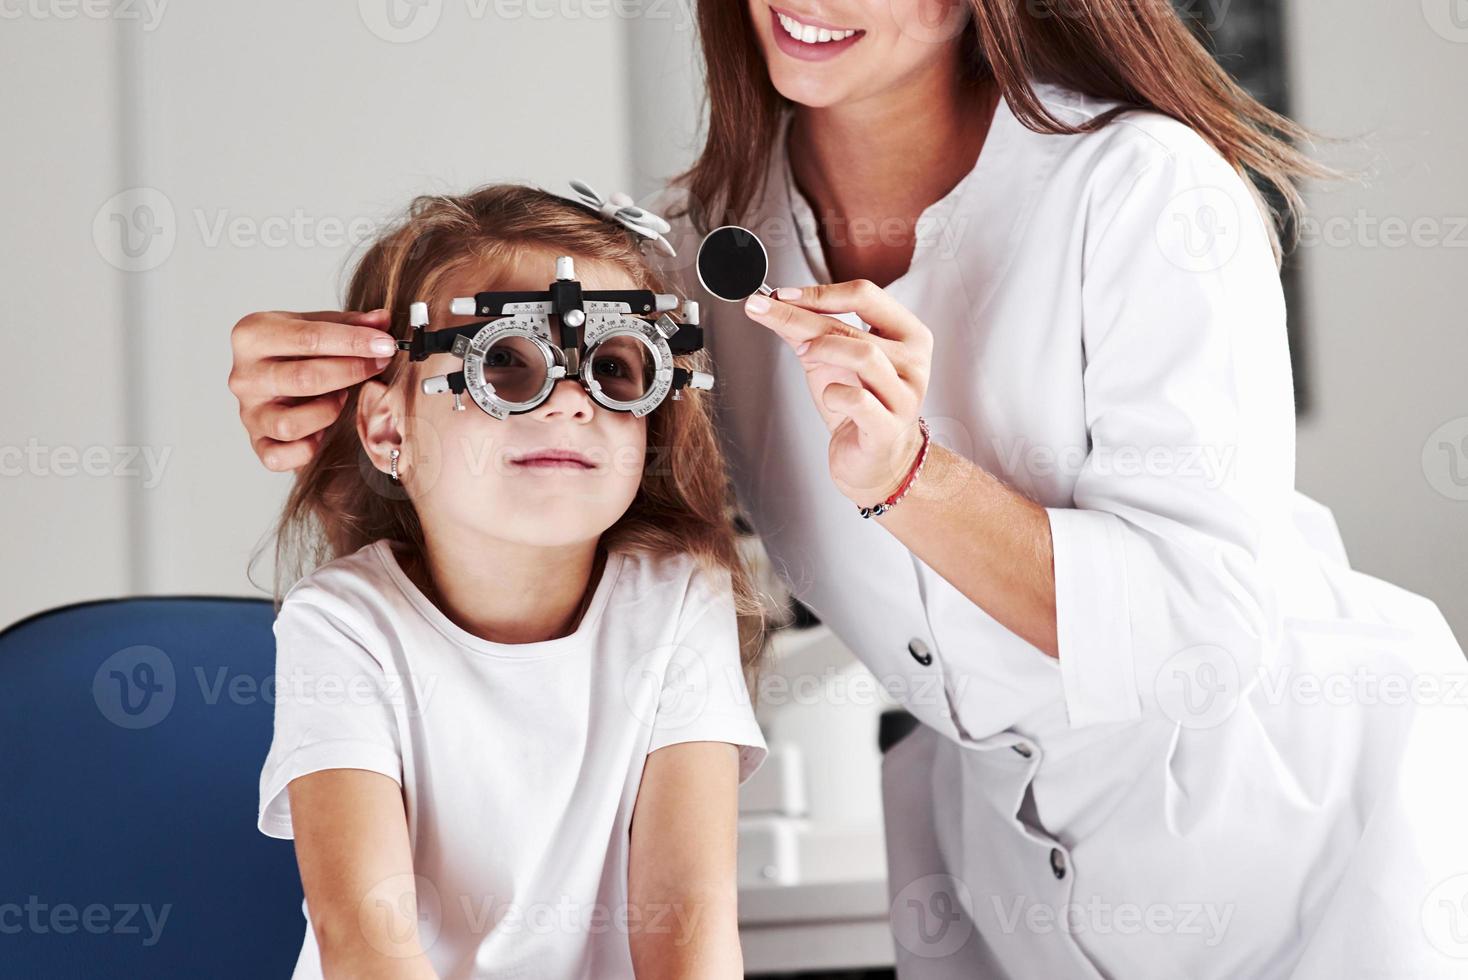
[
  {"x": 704, "y": 697},
  {"x": 333, "y": 708}
]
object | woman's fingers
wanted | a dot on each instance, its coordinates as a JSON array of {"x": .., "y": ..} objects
[
  {"x": 869, "y": 363},
  {"x": 308, "y": 377},
  {"x": 326, "y": 333},
  {"x": 289, "y": 420},
  {"x": 282, "y": 357},
  {"x": 794, "y": 324},
  {"x": 867, "y": 384},
  {"x": 285, "y": 435},
  {"x": 818, "y": 377},
  {"x": 859, "y": 405},
  {"x": 281, "y": 457},
  {"x": 878, "y": 309},
  {"x": 295, "y": 355}
]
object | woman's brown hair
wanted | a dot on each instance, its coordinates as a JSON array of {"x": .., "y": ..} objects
[
  {"x": 1139, "y": 53},
  {"x": 340, "y": 500}
]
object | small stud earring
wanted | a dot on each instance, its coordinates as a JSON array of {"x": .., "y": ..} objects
[{"x": 394, "y": 473}]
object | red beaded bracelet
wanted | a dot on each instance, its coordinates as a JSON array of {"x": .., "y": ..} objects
[{"x": 886, "y": 505}]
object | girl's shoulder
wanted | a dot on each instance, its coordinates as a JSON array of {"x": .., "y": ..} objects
[
  {"x": 670, "y": 580},
  {"x": 350, "y": 587}
]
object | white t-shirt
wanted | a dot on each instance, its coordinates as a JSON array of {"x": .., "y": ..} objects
[{"x": 519, "y": 763}]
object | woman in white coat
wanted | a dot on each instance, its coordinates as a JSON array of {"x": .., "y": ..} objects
[{"x": 1166, "y": 731}]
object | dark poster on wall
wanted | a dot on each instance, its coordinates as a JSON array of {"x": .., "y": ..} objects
[{"x": 1248, "y": 39}]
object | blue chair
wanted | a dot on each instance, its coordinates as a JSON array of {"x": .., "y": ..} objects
[{"x": 131, "y": 740}]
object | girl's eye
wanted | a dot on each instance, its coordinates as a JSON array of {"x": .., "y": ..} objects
[
  {"x": 500, "y": 357},
  {"x": 612, "y": 367}
]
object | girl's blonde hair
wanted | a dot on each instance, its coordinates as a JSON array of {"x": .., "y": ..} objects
[{"x": 340, "y": 500}]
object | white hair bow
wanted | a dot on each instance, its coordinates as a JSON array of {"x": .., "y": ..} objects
[{"x": 619, "y": 208}]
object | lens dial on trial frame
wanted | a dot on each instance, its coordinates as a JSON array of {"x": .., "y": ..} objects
[
  {"x": 732, "y": 263},
  {"x": 619, "y": 344}
]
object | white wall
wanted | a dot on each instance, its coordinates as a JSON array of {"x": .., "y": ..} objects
[
  {"x": 63, "y": 400},
  {"x": 289, "y": 119},
  {"x": 666, "y": 92},
  {"x": 1387, "y": 326}
]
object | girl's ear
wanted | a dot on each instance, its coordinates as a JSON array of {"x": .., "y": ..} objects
[{"x": 379, "y": 410}]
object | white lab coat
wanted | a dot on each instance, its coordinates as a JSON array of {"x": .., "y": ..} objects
[{"x": 1220, "y": 776}]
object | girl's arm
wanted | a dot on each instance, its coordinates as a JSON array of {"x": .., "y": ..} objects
[
  {"x": 357, "y": 869},
  {"x": 683, "y": 920}
]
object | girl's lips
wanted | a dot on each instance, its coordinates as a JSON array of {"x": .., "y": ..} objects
[
  {"x": 554, "y": 459},
  {"x": 819, "y": 51}
]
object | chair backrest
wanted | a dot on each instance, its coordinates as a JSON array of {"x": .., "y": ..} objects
[{"x": 131, "y": 739}]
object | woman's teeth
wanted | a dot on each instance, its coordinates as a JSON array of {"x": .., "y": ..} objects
[{"x": 809, "y": 34}]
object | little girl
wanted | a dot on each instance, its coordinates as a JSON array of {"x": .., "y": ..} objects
[{"x": 511, "y": 712}]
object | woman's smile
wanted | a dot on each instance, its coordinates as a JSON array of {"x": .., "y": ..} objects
[{"x": 809, "y": 38}]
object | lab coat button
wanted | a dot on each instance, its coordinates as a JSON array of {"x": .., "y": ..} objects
[
  {"x": 1023, "y": 749},
  {"x": 1057, "y": 862},
  {"x": 920, "y": 651}
]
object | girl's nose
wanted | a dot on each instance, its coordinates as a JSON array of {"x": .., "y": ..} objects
[{"x": 569, "y": 399}]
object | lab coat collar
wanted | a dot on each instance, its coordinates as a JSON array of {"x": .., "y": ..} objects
[{"x": 965, "y": 239}]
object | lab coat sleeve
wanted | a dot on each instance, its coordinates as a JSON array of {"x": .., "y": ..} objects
[{"x": 1189, "y": 457}]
